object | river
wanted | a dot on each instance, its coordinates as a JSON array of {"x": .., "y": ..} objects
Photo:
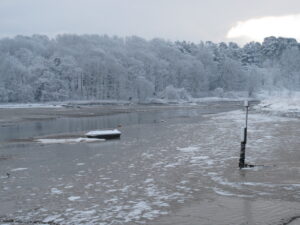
[{"x": 171, "y": 166}]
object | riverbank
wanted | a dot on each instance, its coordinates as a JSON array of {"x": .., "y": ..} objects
[
  {"x": 14, "y": 115},
  {"x": 30, "y": 123}
]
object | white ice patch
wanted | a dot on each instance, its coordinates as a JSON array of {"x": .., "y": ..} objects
[
  {"x": 200, "y": 157},
  {"x": 137, "y": 210},
  {"x": 69, "y": 140},
  {"x": 172, "y": 165},
  {"x": 222, "y": 192},
  {"x": 281, "y": 102},
  {"x": 229, "y": 194},
  {"x": 125, "y": 189},
  {"x": 103, "y": 132},
  {"x": 18, "y": 169},
  {"x": 259, "y": 184},
  {"x": 51, "y": 218},
  {"x": 88, "y": 212},
  {"x": 56, "y": 191},
  {"x": 147, "y": 155},
  {"x": 74, "y": 198},
  {"x": 148, "y": 180},
  {"x": 188, "y": 149},
  {"x": 68, "y": 187},
  {"x": 32, "y": 105}
]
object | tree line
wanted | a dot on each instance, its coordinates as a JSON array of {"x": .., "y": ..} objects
[{"x": 93, "y": 67}]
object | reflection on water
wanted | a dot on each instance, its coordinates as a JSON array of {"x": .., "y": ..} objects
[{"x": 70, "y": 125}]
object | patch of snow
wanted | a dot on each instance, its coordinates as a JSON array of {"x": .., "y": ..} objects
[
  {"x": 68, "y": 187},
  {"x": 222, "y": 192},
  {"x": 103, "y": 132},
  {"x": 259, "y": 184},
  {"x": 29, "y": 105},
  {"x": 229, "y": 194},
  {"x": 188, "y": 149},
  {"x": 137, "y": 210},
  {"x": 200, "y": 157},
  {"x": 152, "y": 214},
  {"x": 88, "y": 212},
  {"x": 209, "y": 162},
  {"x": 149, "y": 180},
  {"x": 51, "y": 218},
  {"x": 234, "y": 97},
  {"x": 172, "y": 165},
  {"x": 56, "y": 191},
  {"x": 147, "y": 155},
  {"x": 280, "y": 103},
  {"x": 125, "y": 189},
  {"x": 68, "y": 140},
  {"x": 18, "y": 169},
  {"x": 74, "y": 198},
  {"x": 68, "y": 104}
]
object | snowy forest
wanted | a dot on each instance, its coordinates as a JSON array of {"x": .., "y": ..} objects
[{"x": 93, "y": 67}]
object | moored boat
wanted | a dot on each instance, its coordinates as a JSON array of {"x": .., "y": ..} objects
[{"x": 105, "y": 134}]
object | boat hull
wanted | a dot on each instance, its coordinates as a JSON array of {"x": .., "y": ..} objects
[{"x": 105, "y": 136}]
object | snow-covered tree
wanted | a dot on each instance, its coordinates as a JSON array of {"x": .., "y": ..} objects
[{"x": 37, "y": 68}]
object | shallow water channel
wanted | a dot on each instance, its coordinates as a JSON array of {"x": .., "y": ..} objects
[{"x": 78, "y": 124}]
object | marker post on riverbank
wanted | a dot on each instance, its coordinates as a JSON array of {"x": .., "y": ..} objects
[{"x": 244, "y": 139}]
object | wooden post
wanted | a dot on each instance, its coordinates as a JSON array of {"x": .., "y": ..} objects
[{"x": 244, "y": 139}]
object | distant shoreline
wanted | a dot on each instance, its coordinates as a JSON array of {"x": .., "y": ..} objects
[{"x": 11, "y": 115}]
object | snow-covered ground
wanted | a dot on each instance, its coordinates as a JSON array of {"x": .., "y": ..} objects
[
  {"x": 280, "y": 103},
  {"x": 102, "y": 132},
  {"x": 66, "y": 104},
  {"x": 230, "y": 96},
  {"x": 29, "y": 105},
  {"x": 68, "y": 140}
]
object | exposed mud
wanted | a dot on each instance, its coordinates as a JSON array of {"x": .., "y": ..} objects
[{"x": 165, "y": 170}]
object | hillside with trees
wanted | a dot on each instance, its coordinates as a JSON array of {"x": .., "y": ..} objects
[{"x": 93, "y": 67}]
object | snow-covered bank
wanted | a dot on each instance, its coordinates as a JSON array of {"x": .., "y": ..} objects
[
  {"x": 69, "y": 140},
  {"x": 151, "y": 101},
  {"x": 66, "y": 104},
  {"x": 29, "y": 105},
  {"x": 280, "y": 103},
  {"x": 172, "y": 96}
]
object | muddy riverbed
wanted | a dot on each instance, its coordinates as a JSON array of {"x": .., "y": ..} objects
[{"x": 172, "y": 165}]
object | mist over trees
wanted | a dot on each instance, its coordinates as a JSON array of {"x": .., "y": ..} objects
[{"x": 93, "y": 67}]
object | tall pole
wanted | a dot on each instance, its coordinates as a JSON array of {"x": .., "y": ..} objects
[{"x": 244, "y": 139}]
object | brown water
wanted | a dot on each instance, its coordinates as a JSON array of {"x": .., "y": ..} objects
[{"x": 179, "y": 170}]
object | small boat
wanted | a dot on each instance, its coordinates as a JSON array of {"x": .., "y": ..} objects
[{"x": 104, "y": 134}]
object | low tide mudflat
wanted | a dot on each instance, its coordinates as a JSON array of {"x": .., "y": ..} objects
[{"x": 173, "y": 165}]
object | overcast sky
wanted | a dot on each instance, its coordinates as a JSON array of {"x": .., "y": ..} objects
[{"x": 191, "y": 20}]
